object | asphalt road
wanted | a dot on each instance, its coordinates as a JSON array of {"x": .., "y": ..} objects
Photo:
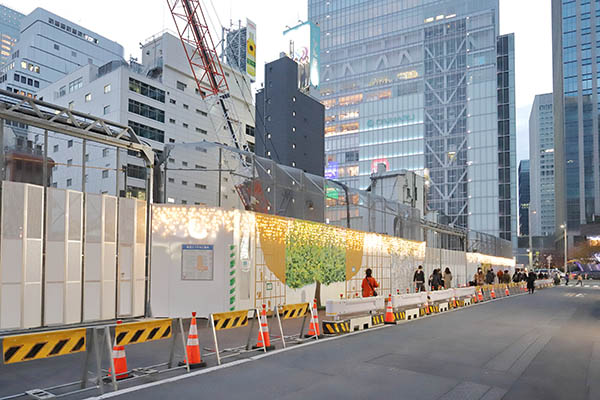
[{"x": 541, "y": 346}]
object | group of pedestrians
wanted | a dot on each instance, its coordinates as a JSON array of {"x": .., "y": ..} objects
[{"x": 439, "y": 281}]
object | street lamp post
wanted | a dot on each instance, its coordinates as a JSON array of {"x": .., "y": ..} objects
[
  {"x": 564, "y": 227},
  {"x": 530, "y": 240}
]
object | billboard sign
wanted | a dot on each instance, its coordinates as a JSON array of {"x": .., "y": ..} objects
[
  {"x": 251, "y": 49},
  {"x": 303, "y": 45}
]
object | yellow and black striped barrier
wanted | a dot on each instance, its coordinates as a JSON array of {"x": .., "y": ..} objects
[
  {"x": 35, "y": 346},
  {"x": 289, "y": 311},
  {"x": 230, "y": 320},
  {"x": 377, "y": 319},
  {"x": 143, "y": 331},
  {"x": 336, "y": 327}
]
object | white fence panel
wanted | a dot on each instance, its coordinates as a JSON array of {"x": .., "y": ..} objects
[{"x": 21, "y": 256}]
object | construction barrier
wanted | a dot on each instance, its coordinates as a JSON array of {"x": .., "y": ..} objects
[
  {"x": 144, "y": 331},
  {"x": 35, "y": 346},
  {"x": 338, "y": 308},
  {"x": 233, "y": 320},
  {"x": 293, "y": 311},
  {"x": 336, "y": 327}
]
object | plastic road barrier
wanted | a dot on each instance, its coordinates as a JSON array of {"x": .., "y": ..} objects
[
  {"x": 144, "y": 331},
  {"x": 293, "y": 311},
  {"x": 35, "y": 346},
  {"x": 233, "y": 320},
  {"x": 336, "y": 308}
]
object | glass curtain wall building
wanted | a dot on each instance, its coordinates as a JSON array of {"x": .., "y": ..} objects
[
  {"x": 576, "y": 59},
  {"x": 541, "y": 155},
  {"x": 524, "y": 197},
  {"x": 10, "y": 29},
  {"x": 415, "y": 85}
]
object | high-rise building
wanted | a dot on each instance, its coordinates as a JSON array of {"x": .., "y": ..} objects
[
  {"x": 51, "y": 47},
  {"x": 426, "y": 87},
  {"x": 575, "y": 43},
  {"x": 541, "y": 157},
  {"x": 160, "y": 101},
  {"x": 290, "y": 123},
  {"x": 10, "y": 28},
  {"x": 524, "y": 197}
]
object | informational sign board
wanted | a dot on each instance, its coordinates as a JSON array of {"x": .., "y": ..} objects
[
  {"x": 197, "y": 262},
  {"x": 251, "y": 49}
]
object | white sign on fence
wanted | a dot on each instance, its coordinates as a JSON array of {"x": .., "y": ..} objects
[{"x": 197, "y": 262}]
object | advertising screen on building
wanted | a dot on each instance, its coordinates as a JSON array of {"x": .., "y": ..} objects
[
  {"x": 251, "y": 49},
  {"x": 303, "y": 45}
]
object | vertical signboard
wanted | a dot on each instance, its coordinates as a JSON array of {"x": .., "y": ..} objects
[
  {"x": 303, "y": 45},
  {"x": 251, "y": 49}
]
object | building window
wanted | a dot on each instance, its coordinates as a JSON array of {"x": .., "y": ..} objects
[
  {"x": 73, "y": 53},
  {"x": 107, "y": 88},
  {"x": 171, "y": 160},
  {"x": 104, "y": 152},
  {"x": 184, "y": 183},
  {"x": 201, "y": 149},
  {"x": 200, "y": 186},
  {"x": 181, "y": 85},
  {"x": 185, "y": 125},
  {"x": 171, "y": 180},
  {"x": 294, "y": 99},
  {"x": 36, "y": 84},
  {"x": 55, "y": 148},
  {"x": 106, "y": 109},
  {"x": 172, "y": 101},
  {"x": 198, "y": 166},
  {"x": 17, "y": 77},
  {"x": 171, "y": 120},
  {"x": 70, "y": 144},
  {"x": 76, "y": 84},
  {"x": 69, "y": 162},
  {"x": 147, "y": 132},
  {"x": 146, "y": 90},
  {"x": 171, "y": 140},
  {"x": 62, "y": 91},
  {"x": 184, "y": 163},
  {"x": 136, "y": 171},
  {"x": 185, "y": 107},
  {"x": 250, "y": 130},
  {"x": 88, "y": 97},
  {"x": 183, "y": 201},
  {"x": 201, "y": 112},
  {"x": 56, "y": 47},
  {"x": 202, "y": 131},
  {"x": 87, "y": 157},
  {"x": 146, "y": 111},
  {"x": 69, "y": 182},
  {"x": 105, "y": 174}
]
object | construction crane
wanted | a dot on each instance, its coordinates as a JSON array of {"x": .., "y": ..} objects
[{"x": 204, "y": 62}]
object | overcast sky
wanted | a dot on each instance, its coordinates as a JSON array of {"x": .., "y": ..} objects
[{"x": 133, "y": 21}]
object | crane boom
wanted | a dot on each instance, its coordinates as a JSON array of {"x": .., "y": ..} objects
[{"x": 194, "y": 33}]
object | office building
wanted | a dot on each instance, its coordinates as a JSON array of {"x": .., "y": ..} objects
[
  {"x": 290, "y": 122},
  {"x": 524, "y": 197},
  {"x": 426, "y": 87},
  {"x": 541, "y": 157},
  {"x": 51, "y": 47},
  {"x": 10, "y": 28},
  {"x": 575, "y": 41},
  {"x": 160, "y": 101}
]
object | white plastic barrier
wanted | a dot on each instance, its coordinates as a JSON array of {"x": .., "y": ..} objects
[
  {"x": 335, "y": 308},
  {"x": 441, "y": 295},
  {"x": 411, "y": 299},
  {"x": 464, "y": 292},
  {"x": 542, "y": 282}
]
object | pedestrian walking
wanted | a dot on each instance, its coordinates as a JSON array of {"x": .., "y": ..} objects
[
  {"x": 517, "y": 276},
  {"x": 489, "y": 277},
  {"x": 447, "y": 278},
  {"x": 436, "y": 279},
  {"x": 419, "y": 279},
  {"x": 579, "y": 280},
  {"x": 479, "y": 278},
  {"x": 567, "y": 279},
  {"x": 369, "y": 284},
  {"x": 531, "y": 282},
  {"x": 500, "y": 275},
  {"x": 506, "y": 276}
]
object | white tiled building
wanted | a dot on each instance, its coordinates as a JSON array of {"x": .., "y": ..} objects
[
  {"x": 159, "y": 99},
  {"x": 51, "y": 47}
]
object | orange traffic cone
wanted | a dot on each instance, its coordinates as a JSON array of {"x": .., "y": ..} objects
[
  {"x": 389, "y": 312},
  {"x": 453, "y": 302},
  {"x": 313, "y": 328},
  {"x": 479, "y": 295},
  {"x": 192, "y": 348},
  {"x": 119, "y": 360},
  {"x": 492, "y": 293},
  {"x": 474, "y": 298},
  {"x": 506, "y": 291},
  {"x": 263, "y": 332}
]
